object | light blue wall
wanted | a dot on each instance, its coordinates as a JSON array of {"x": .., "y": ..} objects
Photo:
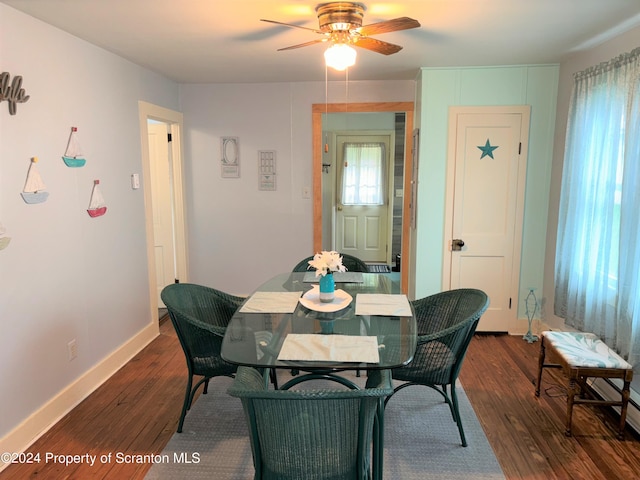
[
  {"x": 65, "y": 275},
  {"x": 440, "y": 88}
]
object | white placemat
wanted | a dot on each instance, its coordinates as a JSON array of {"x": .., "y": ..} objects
[
  {"x": 382, "y": 304},
  {"x": 271, "y": 302},
  {"x": 337, "y": 348},
  {"x": 345, "y": 277}
]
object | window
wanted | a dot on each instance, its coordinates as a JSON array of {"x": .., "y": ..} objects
[
  {"x": 363, "y": 174},
  {"x": 597, "y": 277}
]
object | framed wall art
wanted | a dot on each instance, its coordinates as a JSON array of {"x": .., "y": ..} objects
[
  {"x": 230, "y": 157},
  {"x": 267, "y": 170}
]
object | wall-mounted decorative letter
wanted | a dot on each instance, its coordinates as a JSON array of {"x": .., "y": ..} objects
[
  {"x": 230, "y": 152},
  {"x": 13, "y": 93}
]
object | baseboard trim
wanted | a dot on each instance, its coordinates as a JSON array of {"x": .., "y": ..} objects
[
  {"x": 609, "y": 392},
  {"x": 32, "y": 428}
]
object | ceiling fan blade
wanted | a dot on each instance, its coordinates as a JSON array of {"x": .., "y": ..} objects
[
  {"x": 402, "y": 23},
  {"x": 378, "y": 46},
  {"x": 292, "y": 26},
  {"x": 306, "y": 44}
]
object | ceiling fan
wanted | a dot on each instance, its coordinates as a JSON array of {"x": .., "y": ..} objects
[{"x": 341, "y": 24}]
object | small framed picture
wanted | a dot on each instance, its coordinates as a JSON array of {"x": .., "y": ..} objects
[
  {"x": 230, "y": 157},
  {"x": 267, "y": 173}
]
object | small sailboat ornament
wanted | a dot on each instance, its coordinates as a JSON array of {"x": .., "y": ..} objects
[
  {"x": 97, "y": 206},
  {"x": 34, "y": 190},
  {"x": 73, "y": 155},
  {"x": 4, "y": 239}
]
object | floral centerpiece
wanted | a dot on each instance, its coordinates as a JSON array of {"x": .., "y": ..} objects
[{"x": 325, "y": 264}]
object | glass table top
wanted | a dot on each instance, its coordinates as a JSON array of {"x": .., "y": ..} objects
[{"x": 256, "y": 338}]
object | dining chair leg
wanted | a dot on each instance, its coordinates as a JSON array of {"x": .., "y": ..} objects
[
  {"x": 454, "y": 401},
  {"x": 378, "y": 441},
  {"x": 274, "y": 378},
  {"x": 185, "y": 404}
]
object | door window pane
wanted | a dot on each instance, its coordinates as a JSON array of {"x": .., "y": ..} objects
[{"x": 363, "y": 174}]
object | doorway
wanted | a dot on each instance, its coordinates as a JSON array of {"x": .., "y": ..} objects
[
  {"x": 362, "y": 197},
  {"x": 163, "y": 193},
  {"x": 486, "y": 175},
  {"x": 162, "y": 204},
  {"x": 318, "y": 112}
]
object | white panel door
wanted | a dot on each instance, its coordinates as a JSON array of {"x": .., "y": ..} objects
[
  {"x": 163, "y": 236},
  {"x": 363, "y": 230},
  {"x": 487, "y": 204}
]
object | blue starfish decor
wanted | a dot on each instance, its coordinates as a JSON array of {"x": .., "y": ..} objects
[{"x": 487, "y": 149}]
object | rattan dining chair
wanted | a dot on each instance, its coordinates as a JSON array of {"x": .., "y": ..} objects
[
  {"x": 352, "y": 264},
  {"x": 313, "y": 434},
  {"x": 446, "y": 323},
  {"x": 200, "y": 316}
]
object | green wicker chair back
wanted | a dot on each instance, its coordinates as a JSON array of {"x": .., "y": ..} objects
[
  {"x": 353, "y": 264},
  {"x": 446, "y": 323},
  {"x": 312, "y": 434},
  {"x": 200, "y": 316}
]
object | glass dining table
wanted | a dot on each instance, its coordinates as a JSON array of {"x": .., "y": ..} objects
[{"x": 370, "y": 325}]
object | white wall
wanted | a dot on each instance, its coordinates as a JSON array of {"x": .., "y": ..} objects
[
  {"x": 239, "y": 236},
  {"x": 65, "y": 275},
  {"x": 569, "y": 66}
]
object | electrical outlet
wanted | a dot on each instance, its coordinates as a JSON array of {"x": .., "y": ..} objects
[{"x": 72, "y": 349}]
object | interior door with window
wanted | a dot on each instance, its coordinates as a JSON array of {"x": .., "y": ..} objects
[{"x": 362, "y": 203}]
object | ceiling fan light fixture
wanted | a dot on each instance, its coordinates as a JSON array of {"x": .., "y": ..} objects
[{"x": 340, "y": 56}]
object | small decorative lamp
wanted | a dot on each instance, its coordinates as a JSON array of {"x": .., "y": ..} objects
[{"x": 531, "y": 304}]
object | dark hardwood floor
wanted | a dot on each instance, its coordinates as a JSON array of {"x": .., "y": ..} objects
[{"x": 136, "y": 412}]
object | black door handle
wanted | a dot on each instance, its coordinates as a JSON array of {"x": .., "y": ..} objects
[{"x": 457, "y": 244}]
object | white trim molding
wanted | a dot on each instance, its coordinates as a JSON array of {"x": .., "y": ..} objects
[{"x": 31, "y": 429}]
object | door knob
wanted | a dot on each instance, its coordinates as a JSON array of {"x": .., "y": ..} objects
[
  {"x": 339, "y": 208},
  {"x": 457, "y": 244}
]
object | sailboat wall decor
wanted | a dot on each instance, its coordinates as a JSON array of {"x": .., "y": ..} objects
[
  {"x": 73, "y": 156},
  {"x": 97, "y": 206},
  {"x": 4, "y": 239},
  {"x": 34, "y": 190}
]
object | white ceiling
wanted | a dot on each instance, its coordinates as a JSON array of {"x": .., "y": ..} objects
[{"x": 218, "y": 41}]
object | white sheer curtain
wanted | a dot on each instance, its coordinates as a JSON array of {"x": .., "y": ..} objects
[
  {"x": 363, "y": 174},
  {"x": 598, "y": 250}
]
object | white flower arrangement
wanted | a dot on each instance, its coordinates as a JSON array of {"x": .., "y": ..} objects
[{"x": 327, "y": 262}]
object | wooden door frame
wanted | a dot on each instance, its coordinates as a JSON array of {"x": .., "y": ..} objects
[
  {"x": 174, "y": 120},
  {"x": 317, "y": 111}
]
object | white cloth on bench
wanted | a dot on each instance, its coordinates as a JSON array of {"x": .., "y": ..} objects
[{"x": 582, "y": 349}]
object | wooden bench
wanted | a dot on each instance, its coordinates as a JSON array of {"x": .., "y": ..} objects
[{"x": 582, "y": 356}]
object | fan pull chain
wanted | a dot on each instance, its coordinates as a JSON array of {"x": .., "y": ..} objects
[{"x": 326, "y": 106}]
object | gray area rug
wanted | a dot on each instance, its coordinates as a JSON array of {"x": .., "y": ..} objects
[{"x": 421, "y": 440}]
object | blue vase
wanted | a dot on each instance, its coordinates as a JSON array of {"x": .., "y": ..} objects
[{"x": 327, "y": 288}]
